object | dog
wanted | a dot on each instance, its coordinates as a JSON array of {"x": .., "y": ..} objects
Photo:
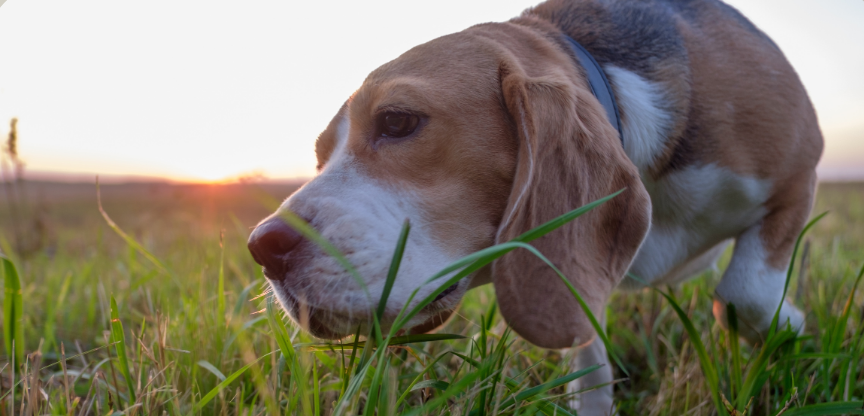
[{"x": 481, "y": 135}]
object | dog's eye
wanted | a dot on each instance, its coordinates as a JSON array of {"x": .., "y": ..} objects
[{"x": 397, "y": 125}]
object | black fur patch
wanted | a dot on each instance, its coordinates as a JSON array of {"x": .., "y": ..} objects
[{"x": 635, "y": 35}]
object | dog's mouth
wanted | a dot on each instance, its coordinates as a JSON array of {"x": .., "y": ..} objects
[
  {"x": 446, "y": 292},
  {"x": 326, "y": 323}
]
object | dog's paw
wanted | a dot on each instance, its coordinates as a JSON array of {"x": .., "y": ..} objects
[{"x": 754, "y": 326}]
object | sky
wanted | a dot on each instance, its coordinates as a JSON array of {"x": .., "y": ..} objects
[{"x": 208, "y": 90}]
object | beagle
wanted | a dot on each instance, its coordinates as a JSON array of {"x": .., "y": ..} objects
[{"x": 481, "y": 135}]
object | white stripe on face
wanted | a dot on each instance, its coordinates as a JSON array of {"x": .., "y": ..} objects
[{"x": 362, "y": 217}]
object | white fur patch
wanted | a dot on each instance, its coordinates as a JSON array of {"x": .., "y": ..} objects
[
  {"x": 598, "y": 401},
  {"x": 340, "y": 153},
  {"x": 643, "y": 120},
  {"x": 693, "y": 211},
  {"x": 755, "y": 288}
]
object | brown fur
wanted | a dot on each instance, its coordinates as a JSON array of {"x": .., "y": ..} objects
[{"x": 326, "y": 142}]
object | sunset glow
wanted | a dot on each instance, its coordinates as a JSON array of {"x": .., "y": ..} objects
[{"x": 207, "y": 91}]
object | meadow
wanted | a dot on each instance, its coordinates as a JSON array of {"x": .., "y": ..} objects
[{"x": 174, "y": 319}]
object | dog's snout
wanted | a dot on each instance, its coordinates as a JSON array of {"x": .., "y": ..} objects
[{"x": 271, "y": 243}]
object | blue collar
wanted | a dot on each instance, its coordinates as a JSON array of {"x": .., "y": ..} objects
[{"x": 599, "y": 84}]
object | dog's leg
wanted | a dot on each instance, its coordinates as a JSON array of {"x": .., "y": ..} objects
[
  {"x": 597, "y": 402},
  {"x": 757, "y": 273}
]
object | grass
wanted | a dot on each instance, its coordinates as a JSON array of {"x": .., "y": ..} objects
[{"x": 190, "y": 332}]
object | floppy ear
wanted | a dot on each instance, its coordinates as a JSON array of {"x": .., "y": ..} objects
[{"x": 569, "y": 155}]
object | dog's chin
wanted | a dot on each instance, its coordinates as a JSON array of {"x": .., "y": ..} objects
[
  {"x": 434, "y": 322},
  {"x": 320, "y": 324},
  {"x": 327, "y": 324},
  {"x": 320, "y": 328}
]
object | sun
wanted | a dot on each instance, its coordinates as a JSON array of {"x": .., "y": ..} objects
[{"x": 212, "y": 172}]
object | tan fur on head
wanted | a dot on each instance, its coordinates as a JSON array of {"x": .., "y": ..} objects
[{"x": 569, "y": 156}]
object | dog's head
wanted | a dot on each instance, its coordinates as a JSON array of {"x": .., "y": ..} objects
[{"x": 474, "y": 137}]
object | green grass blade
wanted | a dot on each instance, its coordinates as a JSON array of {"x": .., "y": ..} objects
[
  {"x": 394, "y": 269},
  {"x": 560, "y": 381},
  {"x": 814, "y": 356},
  {"x": 477, "y": 260},
  {"x": 118, "y": 337},
  {"x": 528, "y": 236},
  {"x": 547, "y": 407},
  {"x": 734, "y": 350},
  {"x": 417, "y": 379},
  {"x": 366, "y": 356},
  {"x": 373, "y": 396},
  {"x": 775, "y": 320},
  {"x": 473, "y": 262},
  {"x": 13, "y": 312},
  {"x": 316, "y": 390},
  {"x": 550, "y": 226},
  {"x": 825, "y": 409},
  {"x": 534, "y": 391},
  {"x": 401, "y": 340},
  {"x": 352, "y": 389},
  {"x": 301, "y": 374},
  {"x": 211, "y": 368},
  {"x": 467, "y": 359},
  {"x": 220, "y": 284},
  {"x": 128, "y": 239},
  {"x": 455, "y": 388},
  {"x": 50, "y": 309},
  {"x": 244, "y": 296},
  {"x": 435, "y": 384},
  {"x": 351, "y": 361},
  {"x": 283, "y": 339},
  {"x": 840, "y": 327},
  {"x": 482, "y": 352},
  {"x": 500, "y": 353},
  {"x": 551, "y": 409},
  {"x": 215, "y": 390},
  {"x": 490, "y": 315},
  {"x": 756, "y": 373},
  {"x": 708, "y": 368}
]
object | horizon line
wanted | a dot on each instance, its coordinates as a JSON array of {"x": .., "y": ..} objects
[{"x": 824, "y": 174}]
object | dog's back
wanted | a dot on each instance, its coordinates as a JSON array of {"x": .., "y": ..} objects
[{"x": 731, "y": 95}]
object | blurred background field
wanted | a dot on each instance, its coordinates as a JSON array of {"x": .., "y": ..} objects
[{"x": 71, "y": 263}]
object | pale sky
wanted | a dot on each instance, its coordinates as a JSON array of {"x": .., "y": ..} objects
[{"x": 204, "y": 90}]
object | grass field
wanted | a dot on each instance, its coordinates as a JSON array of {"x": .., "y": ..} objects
[{"x": 196, "y": 337}]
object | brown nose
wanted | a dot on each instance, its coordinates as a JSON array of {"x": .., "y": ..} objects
[{"x": 270, "y": 243}]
